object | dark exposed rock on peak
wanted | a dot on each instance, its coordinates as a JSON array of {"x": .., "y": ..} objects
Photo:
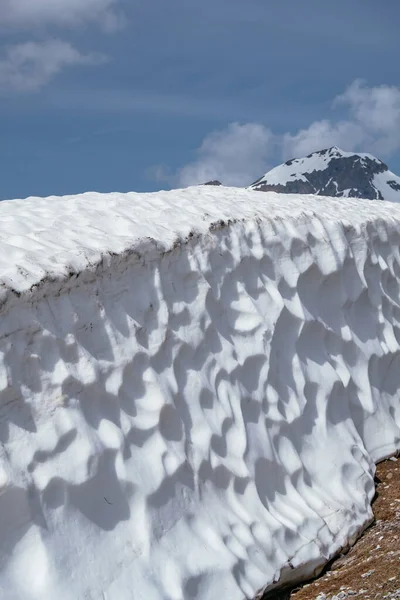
[{"x": 333, "y": 172}]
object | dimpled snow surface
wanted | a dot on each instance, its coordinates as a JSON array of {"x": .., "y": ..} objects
[{"x": 194, "y": 389}]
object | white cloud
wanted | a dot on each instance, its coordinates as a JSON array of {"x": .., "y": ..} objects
[
  {"x": 323, "y": 134},
  {"x": 373, "y": 124},
  {"x": 239, "y": 154},
  {"x": 23, "y": 13},
  {"x": 234, "y": 155},
  {"x": 29, "y": 66},
  {"x": 377, "y": 111}
]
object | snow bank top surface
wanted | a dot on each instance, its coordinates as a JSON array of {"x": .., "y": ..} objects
[{"x": 54, "y": 237}]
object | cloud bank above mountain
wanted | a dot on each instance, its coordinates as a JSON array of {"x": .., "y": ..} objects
[{"x": 240, "y": 153}]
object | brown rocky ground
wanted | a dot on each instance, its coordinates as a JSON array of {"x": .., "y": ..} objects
[{"x": 371, "y": 569}]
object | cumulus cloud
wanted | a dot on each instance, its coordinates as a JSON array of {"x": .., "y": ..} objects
[
  {"x": 29, "y": 66},
  {"x": 233, "y": 155},
  {"x": 377, "y": 111},
  {"x": 323, "y": 134},
  {"x": 373, "y": 123},
  {"x": 25, "y": 13},
  {"x": 240, "y": 153}
]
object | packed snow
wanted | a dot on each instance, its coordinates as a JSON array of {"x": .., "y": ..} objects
[{"x": 195, "y": 387}]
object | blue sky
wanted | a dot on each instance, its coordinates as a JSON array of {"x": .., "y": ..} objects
[{"x": 121, "y": 95}]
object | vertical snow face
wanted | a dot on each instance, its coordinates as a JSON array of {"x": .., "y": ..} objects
[{"x": 201, "y": 422}]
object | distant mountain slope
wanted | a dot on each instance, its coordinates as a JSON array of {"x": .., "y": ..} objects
[{"x": 333, "y": 172}]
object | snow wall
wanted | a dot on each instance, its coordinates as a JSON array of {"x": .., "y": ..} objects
[{"x": 194, "y": 388}]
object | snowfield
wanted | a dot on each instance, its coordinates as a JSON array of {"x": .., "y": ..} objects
[{"x": 195, "y": 387}]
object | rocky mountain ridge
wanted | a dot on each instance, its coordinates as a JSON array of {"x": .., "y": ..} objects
[{"x": 333, "y": 172}]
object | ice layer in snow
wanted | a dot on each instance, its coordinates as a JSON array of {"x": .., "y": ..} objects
[{"x": 194, "y": 388}]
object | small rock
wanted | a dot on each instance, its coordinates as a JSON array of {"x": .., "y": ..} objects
[
  {"x": 213, "y": 182},
  {"x": 368, "y": 574}
]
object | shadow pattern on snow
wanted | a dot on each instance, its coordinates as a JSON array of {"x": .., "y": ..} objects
[{"x": 231, "y": 393}]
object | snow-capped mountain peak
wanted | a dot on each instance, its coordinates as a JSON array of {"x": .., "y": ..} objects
[{"x": 333, "y": 172}]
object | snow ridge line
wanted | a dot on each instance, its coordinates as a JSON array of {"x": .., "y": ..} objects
[{"x": 141, "y": 252}]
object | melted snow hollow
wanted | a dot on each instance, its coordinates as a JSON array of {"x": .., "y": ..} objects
[{"x": 195, "y": 386}]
